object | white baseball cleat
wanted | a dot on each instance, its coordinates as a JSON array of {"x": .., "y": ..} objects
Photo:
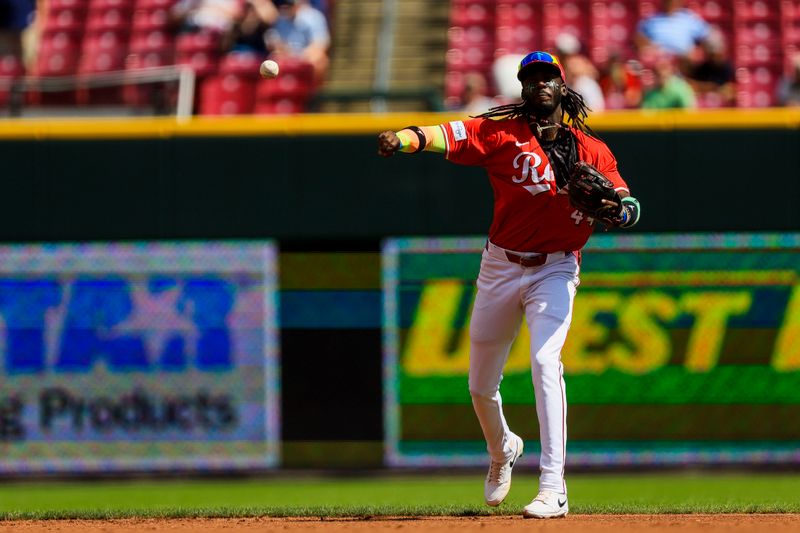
[
  {"x": 547, "y": 504},
  {"x": 498, "y": 480}
]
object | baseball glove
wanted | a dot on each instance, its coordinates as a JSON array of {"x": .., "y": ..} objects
[{"x": 588, "y": 188}]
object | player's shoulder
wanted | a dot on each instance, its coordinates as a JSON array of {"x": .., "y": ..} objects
[
  {"x": 492, "y": 124},
  {"x": 476, "y": 125},
  {"x": 590, "y": 143}
]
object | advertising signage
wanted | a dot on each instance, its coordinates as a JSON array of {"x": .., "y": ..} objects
[
  {"x": 125, "y": 357},
  {"x": 682, "y": 349}
]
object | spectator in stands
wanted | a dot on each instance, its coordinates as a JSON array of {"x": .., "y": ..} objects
[
  {"x": 15, "y": 17},
  {"x": 580, "y": 70},
  {"x": 621, "y": 82},
  {"x": 504, "y": 74},
  {"x": 475, "y": 97},
  {"x": 251, "y": 30},
  {"x": 301, "y": 31},
  {"x": 567, "y": 45},
  {"x": 789, "y": 86},
  {"x": 667, "y": 89},
  {"x": 217, "y": 17},
  {"x": 714, "y": 74},
  {"x": 582, "y": 76},
  {"x": 675, "y": 30},
  {"x": 322, "y": 5}
]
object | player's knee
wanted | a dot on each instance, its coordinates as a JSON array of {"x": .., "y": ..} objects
[
  {"x": 482, "y": 393},
  {"x": 491, "y": 337},
  {"x": 542, "y": 360}
]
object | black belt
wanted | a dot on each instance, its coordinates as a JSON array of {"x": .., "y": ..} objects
[{"x": 528, "y": 261}]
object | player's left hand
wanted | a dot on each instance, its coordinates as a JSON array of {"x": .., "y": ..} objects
[
  {"x": 388, "y": 143},
  {"x": 593, "y": 194}
]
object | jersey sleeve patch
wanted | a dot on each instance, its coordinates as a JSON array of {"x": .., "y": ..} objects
[{"x": 459, "y": 130}]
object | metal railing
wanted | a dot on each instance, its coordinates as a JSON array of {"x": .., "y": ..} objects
[{"x": 184, "y": 75}]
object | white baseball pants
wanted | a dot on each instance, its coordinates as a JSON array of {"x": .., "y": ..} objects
[{"x": 544, "y": 294}]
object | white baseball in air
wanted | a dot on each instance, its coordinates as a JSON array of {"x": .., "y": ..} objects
[{"x": 268, "y": 69}]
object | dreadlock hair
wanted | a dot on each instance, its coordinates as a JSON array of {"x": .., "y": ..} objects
[
  {"x": 562, "y": 151},
  {"x": 572, "y": 104}
]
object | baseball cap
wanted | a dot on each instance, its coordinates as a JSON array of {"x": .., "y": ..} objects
[{"x": 538, "y": 58}]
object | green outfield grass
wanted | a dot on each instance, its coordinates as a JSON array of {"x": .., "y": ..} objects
[{"x": 400, "y": 496}]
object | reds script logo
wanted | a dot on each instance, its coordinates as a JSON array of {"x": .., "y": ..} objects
[{"x": 530, "y": 162}]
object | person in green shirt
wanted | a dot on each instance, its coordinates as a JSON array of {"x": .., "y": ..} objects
[{"x": 669, "y": 89}]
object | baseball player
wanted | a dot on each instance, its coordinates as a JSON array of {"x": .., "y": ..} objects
[{"x": 543, "y": 216}]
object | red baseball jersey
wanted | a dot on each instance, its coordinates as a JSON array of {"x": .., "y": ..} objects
[{"x": 530, "y": 213}]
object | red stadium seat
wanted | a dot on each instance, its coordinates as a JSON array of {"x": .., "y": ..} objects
[
  {"x": 227, "y": 95},
  {"x": 757, "y": 32},
  {"x": 613, "y": 26},
  {"x": 244, "y": 64},
  {"x": 790, "y": 10},
  {"x": 517, "y": 13},
  {"x": 100, "y": 60},
  {"x": 454, "y": 86},
  {"x": 187, "y": 43},
  {"x": 296, "y": 79},
  {"x": 289, "y": 92},
  {"x": 469, "y": 35},
  {"x": 10, "y": 68},
  {"x": 154, "y": 95},
  {"x": 756, "y": 86},
  {"x": 790, "y": 32},
  {"x": 151, "y": 49},
  {"x": 472, "y": 58},
  {"x": 106, "y": 40},
  {"x": 58, "y": 5},
  {"x": 472, "y": 12},
  {"x": 65, "y": 20},
  {"x": 751, "y": 10},
  {"x": 155, "y": 4},
  {"x": 568, "y": 16},
  {"x": 200, "y": 51},
  {"x": 152, "y": 41},
  {"x": 150, "y": 20},
  {"x": 203, "y": 63},
  {"x": 58, "y": 54},
  {"x": 103, "y": 5},
  {"x": 648, "y": 8},
  {"x": 518, "y": 27},
  {"x": 713, "y": 11},
  {"x": 281, "y": 106},
  {"x": 516, "y": 40},
  {"x": 710, "y": 100},
  {"x": 109, "y": 20},
  {"x": 758, "y": 53}
]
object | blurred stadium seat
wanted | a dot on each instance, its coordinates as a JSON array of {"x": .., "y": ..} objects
[
  {"x": 612, "y": 27},
  {"x": 200, "y": 50},
  {"x": 569, "y": 16},
  {"x": 289, "y": 92},
  {"x": 59, "y": 51},
  {"x": 762, "y": 36},
  {"x": 92, "y": 36},
  {"x": 518, "y": 26},
  {"x": 227, "y": 94},
  {"x": 10, "y": 69}
]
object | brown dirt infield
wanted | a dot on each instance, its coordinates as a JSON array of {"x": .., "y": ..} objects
[{"x": 737, "y": 523}]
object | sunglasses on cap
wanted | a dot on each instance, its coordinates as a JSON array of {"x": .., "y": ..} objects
[{"x": 537, "y": 58}]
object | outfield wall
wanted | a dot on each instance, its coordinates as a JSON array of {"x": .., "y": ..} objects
[
  {"x": 315, "y": 184},
  {"x": 320, "y": 178}
]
